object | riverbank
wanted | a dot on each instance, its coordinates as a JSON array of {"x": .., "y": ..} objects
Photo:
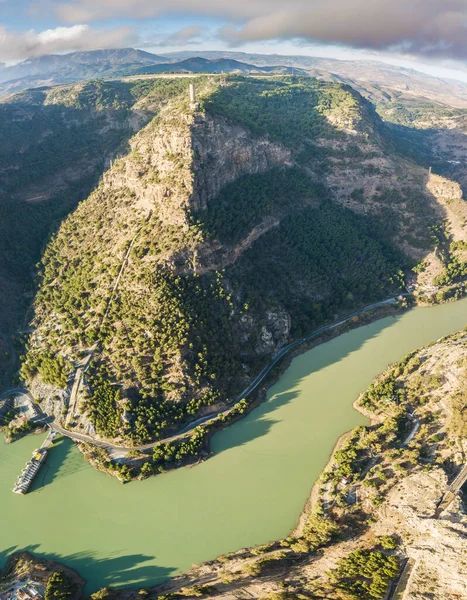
[
  {"x": 396, "y": 512},
  {"x": 13, "y": 435},
  {"x": 118, "y": 462},
  {"x": 26, "y": 570},
  {"x": 426, "y": 492},
  {"x": 135, "y": 466},
  {"x": 250, "y": 492},
  {"x": 210, "y": 426}
]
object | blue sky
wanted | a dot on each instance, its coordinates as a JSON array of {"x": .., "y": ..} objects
[{"x": 430, "y": 35}]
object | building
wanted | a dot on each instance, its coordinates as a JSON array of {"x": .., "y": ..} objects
[{"x": 29, "y": 592}]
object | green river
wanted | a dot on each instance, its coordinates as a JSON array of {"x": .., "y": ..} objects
[{"x": 250, "y": 492}]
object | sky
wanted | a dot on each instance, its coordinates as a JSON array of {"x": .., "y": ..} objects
[{"x": 429, "y": 35}]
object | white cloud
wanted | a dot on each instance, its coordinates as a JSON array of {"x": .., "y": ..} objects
[
  {"x": 188, "y": 36},
  {"x": 18, "y": 45},
  {"x": 423, "y": 27}
]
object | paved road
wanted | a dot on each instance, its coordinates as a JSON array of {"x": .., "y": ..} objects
[
  {"x": 251, "y": 387},
  {"x": 15, "y": 392}
]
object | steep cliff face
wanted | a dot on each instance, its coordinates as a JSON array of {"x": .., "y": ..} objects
[
  {"x": 181, "y": 160},
  {"x": 224, "y": 151},
  {"x": 135, "y": 235},
  {"x": 216, "y": 238}
]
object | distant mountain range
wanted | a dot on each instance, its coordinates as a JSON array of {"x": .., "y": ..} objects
[
  {"x": 53, "y": 69},
  {"x": 199, "y": 64},
  {"x": 376, "y": 80},
  {"x": 80, "y": 64},
  {"x": 380, "y": 82}
]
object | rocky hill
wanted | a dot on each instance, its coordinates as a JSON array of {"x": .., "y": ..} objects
[
  {"x": 54, "y": 146},
  {"x": 226, "y": 230}
]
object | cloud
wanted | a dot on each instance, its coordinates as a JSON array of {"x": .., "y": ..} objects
[
  {"x": 18, "y": 45},
  {"x": 423, "y": 27},
  {"x": 187, "y": 36}
]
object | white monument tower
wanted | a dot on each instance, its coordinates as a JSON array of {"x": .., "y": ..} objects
[{"x": 193, "y": 103}]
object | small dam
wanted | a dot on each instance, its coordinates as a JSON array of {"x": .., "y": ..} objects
[{"x": 32, "y": 467}]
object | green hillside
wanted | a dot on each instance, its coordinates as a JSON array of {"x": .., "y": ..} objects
[
  {"x": 55, "y": 143},
  {"x": 224, "y": 233}
]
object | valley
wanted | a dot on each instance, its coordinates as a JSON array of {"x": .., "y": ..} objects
[{"x": 213, "y": 284}]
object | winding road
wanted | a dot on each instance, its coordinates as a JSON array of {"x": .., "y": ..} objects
[{"x": 246, "y": 392}]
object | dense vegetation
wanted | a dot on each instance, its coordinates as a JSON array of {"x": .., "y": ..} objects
[
  {"x": 365, "y": 573},
  {"x": 289, "y": 110},
  {"x": 319, "y": 261},
  {"x": 120, "y": 95},
  {"x": 241, "y": 205},
  {"x": 59, "y": 587},
  {"x": 53, "y": 148},
  {"x": 52, "y": 368}
]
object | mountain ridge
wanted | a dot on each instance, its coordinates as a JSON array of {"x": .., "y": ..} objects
[
  {"x": 378, "y": 81},
  {"x": 236, "y": 214},
  {"x": 217, "y": 65}
]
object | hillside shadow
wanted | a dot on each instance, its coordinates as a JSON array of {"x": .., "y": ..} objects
[
  {"x": 421, "y": 146},
  {"x": 260, "y": 420},
  {"x": 54, "y": 156},
  {"x": 257, "y": 423},
  {"x": 60, "y": 462},
  {"x": 104, "y": 569}
]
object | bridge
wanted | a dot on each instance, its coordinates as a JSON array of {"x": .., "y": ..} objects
[{"x": 452, "y": 492}]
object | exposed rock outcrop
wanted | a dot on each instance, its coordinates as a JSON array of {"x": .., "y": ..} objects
[{"x": 224, "y": 151}]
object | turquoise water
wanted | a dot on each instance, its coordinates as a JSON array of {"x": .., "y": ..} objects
[{"x": 250, "y": 492}]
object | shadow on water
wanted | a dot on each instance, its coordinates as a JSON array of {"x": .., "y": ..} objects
[
  {"x": 110, "y": 570},
  {"x": 60, "y": 462},
  {"x": 260, "y": 421},
  {"x": 254, "y": 425}
]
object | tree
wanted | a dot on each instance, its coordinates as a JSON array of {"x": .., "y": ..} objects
[{"x": 59, "y": 587}]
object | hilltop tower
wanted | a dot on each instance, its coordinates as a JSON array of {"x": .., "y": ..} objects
[
  {"x": 193, "y": 102},
  {"x": 192, "y": 94}
]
